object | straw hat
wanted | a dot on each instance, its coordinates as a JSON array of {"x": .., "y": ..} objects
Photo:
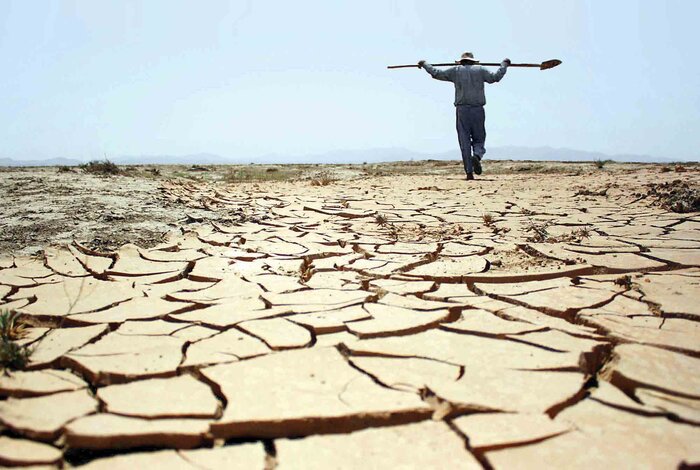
[{"x": 469, "y": 57}]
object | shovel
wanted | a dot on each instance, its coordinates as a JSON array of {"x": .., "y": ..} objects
[{"x": 547, "y": 64}]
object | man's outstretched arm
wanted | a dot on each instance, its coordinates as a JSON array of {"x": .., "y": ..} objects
[
  {"x": 447, "y": 75},
  {"x": 490, "y": 77}
]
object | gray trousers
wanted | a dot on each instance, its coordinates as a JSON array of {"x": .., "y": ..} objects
[{"x": 471, "y": 132}]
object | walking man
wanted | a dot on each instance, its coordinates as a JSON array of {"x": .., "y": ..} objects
[{"x": 469, "y": 79}]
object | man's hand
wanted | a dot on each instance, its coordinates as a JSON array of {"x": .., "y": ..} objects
[
  {"x": 506, "y": 62},
  {"x": 421, "y": 63}
]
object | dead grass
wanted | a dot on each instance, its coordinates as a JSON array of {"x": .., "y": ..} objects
[
  {"x": 380, "y": 219},
  {"x": 540, "y": 234},
  {"x": 488, "y": 219},
  {"x": 258, "y": 173},
  {"x": 324, "y": 179},
  {"x": 576, "y": 235},
  {"x": 624, "y": 281}
]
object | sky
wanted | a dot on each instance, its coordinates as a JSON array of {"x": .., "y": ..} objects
[{"x": 243, "y": 79}]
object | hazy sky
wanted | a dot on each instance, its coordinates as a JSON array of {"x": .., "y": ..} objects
[{"x": 81, "y": 78}]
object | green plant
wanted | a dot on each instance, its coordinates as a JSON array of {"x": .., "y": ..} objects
[
  {"x": 12, "y": 355},
  {"x": 11, "y": 327}
]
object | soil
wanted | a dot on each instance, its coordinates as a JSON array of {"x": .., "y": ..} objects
[{"x": 49, "y": 206}]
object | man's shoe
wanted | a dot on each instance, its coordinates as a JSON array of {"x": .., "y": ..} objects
[
  {"x": 470, "y": 176},
  {"x": 476, "y": 163}
]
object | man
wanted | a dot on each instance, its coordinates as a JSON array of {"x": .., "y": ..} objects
[{"x": 469, "y": 79}]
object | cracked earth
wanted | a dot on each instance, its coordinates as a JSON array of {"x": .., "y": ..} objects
[{"x": 403, "y": 321}]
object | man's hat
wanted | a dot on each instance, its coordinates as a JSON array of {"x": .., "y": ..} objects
[{"x": 467, "y": 56}]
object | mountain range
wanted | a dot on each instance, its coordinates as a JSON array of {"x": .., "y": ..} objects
[{"x": 357, "y": 156}]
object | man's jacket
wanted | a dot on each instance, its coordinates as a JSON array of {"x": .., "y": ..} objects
[{"x": 469, "y": 81}]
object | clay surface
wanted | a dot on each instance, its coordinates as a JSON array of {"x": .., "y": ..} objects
[{"x": 413, "y": 320}]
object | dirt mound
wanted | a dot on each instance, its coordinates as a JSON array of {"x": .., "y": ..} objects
[{"x": 676, "y": 196}]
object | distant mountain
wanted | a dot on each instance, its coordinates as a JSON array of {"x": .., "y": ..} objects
[
  {"x": 495, "y": 153},
  {"x": 47, "y": 162},
  {"x": 199, "y": 158},
  {"x": 565, "y": 155},
  {"x": 376, "y": 155},
  {"x": 349, "y": 156}
]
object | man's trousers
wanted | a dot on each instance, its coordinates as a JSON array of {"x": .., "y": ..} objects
[{"x": 471, "y": 132}]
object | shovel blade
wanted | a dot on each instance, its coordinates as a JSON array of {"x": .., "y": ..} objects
[{"x": 549, "y": 64}]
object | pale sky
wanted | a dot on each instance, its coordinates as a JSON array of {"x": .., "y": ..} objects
[{"x": 84, "y": 78}]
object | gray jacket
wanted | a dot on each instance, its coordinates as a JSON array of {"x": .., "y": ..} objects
[{"x": 469, "y": 81}]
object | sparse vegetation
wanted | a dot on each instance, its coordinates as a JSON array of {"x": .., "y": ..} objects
[
  {"x": 65, "y": 169},
  {"x": 380, "y": 219},
  {"x": 257, "y": 173},
  {"x": 588, "y": 192},
  {"x": 11, "y": 328},
  {"x": 539, "y": 232},
  {"x": 574, "y": 236},
  {"x": 12, "y": 355},
  {"x": 104, "y": 167},
  {"x": 528, "y": 168},
  {"x": 624, "y": 281},
  {"x": 488, "y": 219},
  {"x": 324, "y": 179},
  {"x": 601, "y": 163},
  {"x": 198, "y": 168},
  {"x": 188, "y": 176}
]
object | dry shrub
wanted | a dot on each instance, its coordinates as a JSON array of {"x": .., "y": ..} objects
[
  {"x": 98, "y": 167},
  {"x": 676, "y": 196},
  {"x": 324, "y": 179}
]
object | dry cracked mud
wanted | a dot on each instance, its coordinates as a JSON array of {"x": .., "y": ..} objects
[{"x": 376, "y": 322}]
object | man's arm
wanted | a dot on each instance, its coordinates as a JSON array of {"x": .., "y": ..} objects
[
  {"x": 447, "y": 75},
  {"x": 490, "y": 77}
]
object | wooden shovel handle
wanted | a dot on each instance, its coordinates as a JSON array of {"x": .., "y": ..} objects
[{"x": 547, "y": 64}]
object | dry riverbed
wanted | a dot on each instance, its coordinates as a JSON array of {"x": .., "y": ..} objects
[{"x": 354, "y": 316}]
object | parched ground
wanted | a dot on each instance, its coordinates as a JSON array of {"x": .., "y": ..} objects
[{"x": 354, "y": 317}]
